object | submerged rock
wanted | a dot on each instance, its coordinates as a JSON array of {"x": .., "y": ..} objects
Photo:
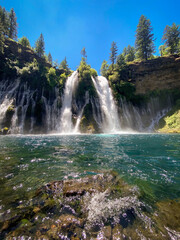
[{"x": 102, "y": 206}]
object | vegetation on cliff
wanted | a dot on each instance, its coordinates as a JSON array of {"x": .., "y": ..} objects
[
  {"x": 86, "y": 88},
  {"x": 20, "y": 60},
  {"x": 85, "y": 82},
  {"x": 170, "y": 123},
  {"x": 144, "y": 39}
]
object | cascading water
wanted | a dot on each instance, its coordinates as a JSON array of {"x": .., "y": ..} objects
[
  {"x": 26, "y": 110},
  {"x": 7, "y": 95},
  {"x": 66, "y": 125},
  {"x": 108, "y": 107},
  {"x": 146, "y": 117},
  {"x": 24, "y": 97},
  {"x": 76, "y": 128},
  {"x": 52, "y": 111}
]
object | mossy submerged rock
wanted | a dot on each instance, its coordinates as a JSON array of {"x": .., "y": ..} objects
[{"x": 101, "y": 206}]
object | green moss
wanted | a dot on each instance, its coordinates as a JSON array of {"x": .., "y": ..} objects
[
  {"x": 10, "y": 108},
  {"x": 171, "y": 122},
  {"x": 168, "y": 214},
  {"x": 85, "y": 72},
  {"x": 88, "y": 124},
  {"x": 4, "y": 131},
  {"x": 93, "y": 72},
  {"x": 25, "y": 222}
]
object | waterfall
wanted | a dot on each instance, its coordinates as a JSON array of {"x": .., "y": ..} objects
[
  {"x": 7, "y": 96},
  {"x": 96, "y": 111},
  {"x": 146, "y": 117},
  {"x": 157, "y": 108},
  {"x": 27, "y": 110},
  {"x": 66, "y": 125},
  {"x": 76, "y": 128},
  {"x": 108, "y": 107},
  {"x": 23, "y": 99},
  {"x": 52, "y": 111},
  {"x": 130, "y": 116}
]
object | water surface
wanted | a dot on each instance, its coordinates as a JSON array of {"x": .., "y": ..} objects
[{"x": 151, "y": 161}]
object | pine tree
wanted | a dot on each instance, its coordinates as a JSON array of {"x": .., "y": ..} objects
[
  {"x": 40, "y": 46},
  {"x": 125, "y": 51},
  {"x": 172, "y": 37},
  {"x": 4, "y": 19},
  {"x": 129, "y": 53},
  {"x": 113, "y": 53},
  {"x": 120, "y": 62},
  {"x": 50, "y": 60},
  {"x": 64, "y": 65},
  {"x": 104, "y": 68},
  {"x": 24, "y": 42},
  {"x": 83, "y": 54},
  {"x": 12, "y": 25},
  {"x": 144, "y": 39},
  {"x": 1, "y": 38}
]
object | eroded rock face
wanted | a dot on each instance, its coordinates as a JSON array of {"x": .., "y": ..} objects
[
  {"x": 97, "y": 207},
  {"x": 161, "y": 73}
]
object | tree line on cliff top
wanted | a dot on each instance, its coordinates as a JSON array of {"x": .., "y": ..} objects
[
  {"x": 143, "y": 50},
  {"x": 50, "y": 75},
  {"x": 144, "y": 45}
]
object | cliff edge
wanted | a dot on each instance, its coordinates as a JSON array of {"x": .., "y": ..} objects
[{"x": 156, "y": 74}]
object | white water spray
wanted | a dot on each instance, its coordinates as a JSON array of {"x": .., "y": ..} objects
[
  {"x": 66, "y": 125},
  {"x": 110, "y": 116},
  {"x": 7, "y": 95},
  {"x": 76, "y": 128}
]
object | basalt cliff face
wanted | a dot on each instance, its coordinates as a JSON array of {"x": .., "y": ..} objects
[{"x": 156, "y": 74}]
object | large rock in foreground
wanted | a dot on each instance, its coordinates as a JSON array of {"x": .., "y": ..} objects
[{"x": 96, "y": 207}]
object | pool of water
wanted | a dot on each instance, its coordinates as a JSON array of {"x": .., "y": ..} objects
[{"x": 150, "y": 161}]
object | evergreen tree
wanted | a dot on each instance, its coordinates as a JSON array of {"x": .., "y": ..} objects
[
  {"x": 172, "y": 37},
  {"x": 124, "y": 51},
  {"x": 50, "y": 60},
  {"x": 163, "y": 50},
  {"x": 113, "y": 53},
  {"x": 104, "y": 68},
  {"x": 1, "y": 38},
  {"x": 12, "y": 25},
  {"x": 129, "y": 53},
  {"x": 63, "y": 65},
  {"x": 4, "y": 19},
  {"x": 120, "y": 62},
  {"x": 83, "y": 54},
  {"x": 55, "y": 64},
  {"x": 24, "y": 42},
  {"x": 144, "y": 39},
  {"x": 40, "y": 46}
]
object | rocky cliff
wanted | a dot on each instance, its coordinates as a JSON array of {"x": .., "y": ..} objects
[{"x": 156, "y": 74}]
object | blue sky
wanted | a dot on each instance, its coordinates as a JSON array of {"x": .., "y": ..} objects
[{"x": 70, "y": 25}]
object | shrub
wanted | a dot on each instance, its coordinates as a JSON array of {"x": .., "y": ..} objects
[
  {"x": 93, "y": 72},
  {"x": 52, "y": 78}
]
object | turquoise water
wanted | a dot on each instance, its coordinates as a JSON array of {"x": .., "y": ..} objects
[{"x": 150, "y": 161}]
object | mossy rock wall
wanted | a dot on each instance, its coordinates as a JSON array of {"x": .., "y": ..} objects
[{"x": 170, "y": 123}]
